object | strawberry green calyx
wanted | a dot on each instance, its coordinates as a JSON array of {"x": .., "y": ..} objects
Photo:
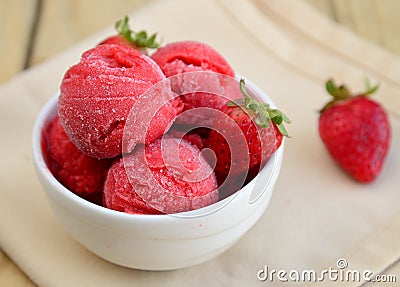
[
  {"x": 342, "y": 92},
  {"x": 370, "y": 89},
  {"x": 263, "y": 113},
  {"x": 140, "y": 38}
]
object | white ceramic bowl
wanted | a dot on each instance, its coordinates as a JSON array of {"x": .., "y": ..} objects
[{"x": 156, "y": 242}]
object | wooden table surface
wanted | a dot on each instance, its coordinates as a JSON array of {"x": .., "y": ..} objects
[{"x": 35, "y": 30}]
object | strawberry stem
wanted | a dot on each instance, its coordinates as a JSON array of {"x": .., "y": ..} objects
[
  {"x": 140, "y": 39},
  {"x": 340, "y": 93},
  {"x": 264, "y": 114}
]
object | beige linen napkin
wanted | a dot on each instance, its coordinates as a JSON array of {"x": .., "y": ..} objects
[{"x": 317, "y": 215}]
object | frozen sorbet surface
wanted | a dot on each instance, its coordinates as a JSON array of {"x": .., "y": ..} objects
[
  {"x": 78, "y": 172},
  {"x": 98, "y": 93},
  {"x": 192, "y": 56},
  {"x": 167, "y": 176}
]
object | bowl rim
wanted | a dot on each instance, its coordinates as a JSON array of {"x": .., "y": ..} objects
[{"x": 49, "y": 111}]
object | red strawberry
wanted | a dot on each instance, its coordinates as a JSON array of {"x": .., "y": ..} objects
[
  {"x": 356, "y": 131},
  {"x": 136, "y": 40},
  {"x": 262, "y": 128}
]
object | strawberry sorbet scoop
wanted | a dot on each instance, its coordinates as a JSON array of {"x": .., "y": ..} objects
[
  {"x": 78, "y": 172},
  {"x": 166, "y": 176},
  {"x": 98, "y": 93},
  {"x": 192, "y": 56}
]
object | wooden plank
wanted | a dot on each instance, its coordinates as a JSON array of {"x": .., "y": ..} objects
[
  {"x": 64, "y": 23},
  {"x": 15, "y": 19},
  {"x": 360, "y": 16},
  {"x": 324, "y": 6},
  {"x": 389, "y": 21},
  {"x": 376, "y": 20}
]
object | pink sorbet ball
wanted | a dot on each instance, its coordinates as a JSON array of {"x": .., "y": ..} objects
[
  {"x": 78, "y": 172},
  {"x": 98, "y": 93},
  {"x": 167, "y": 176}
]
